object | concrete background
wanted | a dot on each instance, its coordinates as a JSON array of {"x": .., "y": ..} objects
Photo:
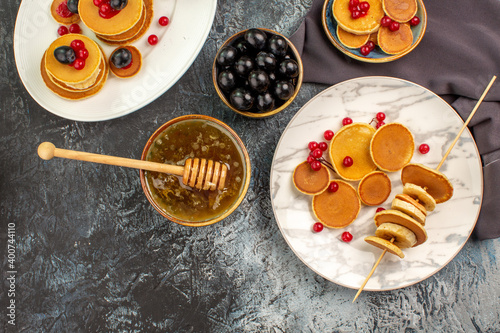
[{"x": 93, "y": 256}]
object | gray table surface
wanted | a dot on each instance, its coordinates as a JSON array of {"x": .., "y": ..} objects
[{"x": 92, "y": 255}]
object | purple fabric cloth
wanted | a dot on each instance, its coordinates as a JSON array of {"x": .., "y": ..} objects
[{"x": 456, "y": 59}]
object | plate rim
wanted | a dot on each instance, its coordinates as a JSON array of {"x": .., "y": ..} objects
[{"x": 481, "y": 176}]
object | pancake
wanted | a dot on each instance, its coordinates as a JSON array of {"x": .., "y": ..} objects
[
  {"x": 121, "y": 22},
  {"x": 74, "y": 18},
  {"x": 374, "y": 188},
  {"x": 384, "y": 245},
  {"x": 407, "y": 198},
  {"x": 392, "y": 146},
  {"x": 400, "y": 10},
  {"x": 352, "y": 140},
  {"x": 397, "y": 217},
  {"x": 351, "y": 40},
  {"x": 394, "y": 42},
  {"x": 68, "y": 74},
  {"x": 408, "y": 209},
  {"x": 134, "y": 68},
  {"x": 434, "y": 182},
  {"x": 418, "y": 193},
  {"x": 308, "y": 181},
  {"x": 360, "y": 26},
  {"x": 337, "y": 209}
]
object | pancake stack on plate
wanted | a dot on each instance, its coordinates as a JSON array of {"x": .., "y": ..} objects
[{"x": 67, "y": 81}]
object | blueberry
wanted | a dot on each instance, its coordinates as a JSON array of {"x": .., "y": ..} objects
[
  {"x": 289, "y": 68},
  {"x": 241, "y": 99},
  {"x": 72, "y": 6},
  {"x": 256, "y": 38},
  {"x": 118, "y": 4},
  {"x": 121, "y": 57},
  {"x": 266, "y": 61},
  {"x": 226, "y": 80},
  {"x": 258, "y": 80},
  {"x": 227, "y": 56},
  {"x": 278, "y": 46},
  {"x": 64, "y": 54},
  {"x": 284, "y": 90},
  {"x": 243, "y": 65}
]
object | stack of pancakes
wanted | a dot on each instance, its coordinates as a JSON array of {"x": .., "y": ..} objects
[
  {"x": 124, "y": 28},
  {"x": 68, "y": 82},
  {"x": 354, "y": 33}
]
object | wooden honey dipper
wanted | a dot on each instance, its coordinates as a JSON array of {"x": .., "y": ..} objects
[
  {"x": 464, "y": 126},
  {"x": 197, "y": 173}
]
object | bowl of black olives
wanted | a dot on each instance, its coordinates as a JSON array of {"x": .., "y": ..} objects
[{"x": 257, "y": 72}]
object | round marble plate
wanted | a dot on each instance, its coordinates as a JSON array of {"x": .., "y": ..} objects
[
  {"x": 432, "y": 121},
  {"x": 163, "y": 64},
  {"x": 377, "y": 55}
]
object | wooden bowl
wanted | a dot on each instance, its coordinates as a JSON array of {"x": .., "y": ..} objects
[
  {"x": 164, "y": 191},
  {"x": 255, "y": 113}
]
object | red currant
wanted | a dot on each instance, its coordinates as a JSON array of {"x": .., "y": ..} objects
[
  {"x": 333, "y": 187},
  {"x": 153, "y": 39},
  {"x": 371, "y": 45},
  {"x": 414, "y": 21},
  {"x": 328, "y": 135},
  {"x": 105, "y": 8},
  {"x": 317, "y": 227},
  {"x": 62, "y": 30},
  {"x": 355, "y": 14},
  {"x": 353, "y": 3},
  {"x": 323, "y": 146},
  {"x": 82, "y": 54},
  {"x": 317, "y": 153},
  {"x": 79, "y": 64},
  {"x": 63, "y": 11},
  {"x": 346, "y": 121},
  {"x": 385, "y": 21},
  {"x": 310, "y": 159},
  {"x": 346, "y": 236},
  {"x": 77, "y": 44},
  {"x": 424, "y": 148},
  {"x": 380, "y": 116},
  {"x": 348, "y": 161},
  {"x": 74, "y": 28},
  {"x": 365, "y": 50},
  {"x": 312, "y": 145},
  {"x": 380, "y": 209},
  {"x": 316, "y": 165},
  {"x": 97, "y": 3},
  {"x": 364, "y": 6},
  {"x": 394, "y": 26},
  {"x": 379, "y": 124},
  {"x": 163, "y": 21}
]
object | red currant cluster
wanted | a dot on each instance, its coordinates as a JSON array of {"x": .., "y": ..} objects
[
  {"x": 107, "y": 9},
  {"x": 367, "y": 48},
  {"x": 81, "y": 54},
  {"x": 74, "y": 29},
  {"x": 63, "y": 11},
  {"x": 358, "y": 8},
  {"x": 387, "y": 22}
]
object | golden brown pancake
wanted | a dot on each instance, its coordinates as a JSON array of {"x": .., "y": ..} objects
[
  {"x": 400, "y": 10},
  {"x": 135, "y": 66},
  {"x": 397, "y": 217},
  {"x": 414, "y": 202},
  {"x": 394, "y": 42},
  {"x": 354, "y": 141},
  {"x": 418, "y": 193},
  {"x": 409, "y": 209},
  {"x": 374, "y": 188},
  {"x": 308, "y": 181},
  {"x": 337, "y": 209},
  {"x": 75, "y": 18},
  {"x": 351, "y": 40},
  {"x": 434, "y": 182},
  {"x": 392, "y": 147},
  {"x": 360, "y": 26},
  {"x": 384, "y": 245}
]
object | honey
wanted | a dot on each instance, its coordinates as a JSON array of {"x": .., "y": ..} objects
[{"x": 189, "y": 139}]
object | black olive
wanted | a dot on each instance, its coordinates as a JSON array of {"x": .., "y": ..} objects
[
  {"x": 118, "y": 4},
  {"x": 72, "y": 6},
  {"x": 284, "y": 90},
  {"x": 289, "y": 68},
  {"x": 226, "y": 80},
  {"x": 278, "y": 46},
  {"x": 64, "y": 54},
  {"x": 258, "y": 80},
  {"x": 242, "y": 46},
  {"x": 256, "y": 38},
  {"x": 227, "y": 56},
  {"x": 266, "y": 61},
  {"x": 121, "y": 57},
  {"x": 243, "y": 65},
  {"x": 265, "y": 102},
  {"x": 241, "y": 99}
]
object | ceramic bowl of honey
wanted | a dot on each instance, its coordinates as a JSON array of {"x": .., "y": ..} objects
[{"x": 190, "y": 137}]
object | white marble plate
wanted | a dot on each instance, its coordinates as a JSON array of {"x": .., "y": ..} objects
[
  {"x": 163, "y": 64},
  {"x": 431, "y": 121}
]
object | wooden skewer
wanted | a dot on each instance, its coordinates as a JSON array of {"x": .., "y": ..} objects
[
  {"x": 437, "y": 169},
  {"x": 197, "y": 173}
]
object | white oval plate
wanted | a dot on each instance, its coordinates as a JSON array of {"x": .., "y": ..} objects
[
  {"x": 163, "y": 64},
  {"x": 432, "y": 121}
]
